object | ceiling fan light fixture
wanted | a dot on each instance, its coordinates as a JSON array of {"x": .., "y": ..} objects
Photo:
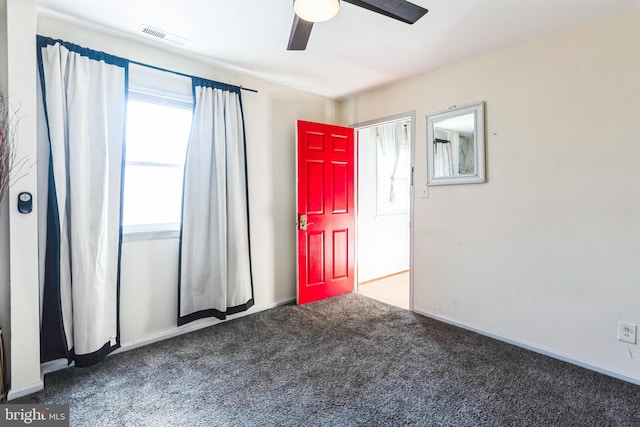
[{"x": 316, "y": 10}]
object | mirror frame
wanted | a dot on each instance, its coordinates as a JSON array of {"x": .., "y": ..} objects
[{"x": 477, "y": 110}]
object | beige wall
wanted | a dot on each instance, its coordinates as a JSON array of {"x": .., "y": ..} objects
[
  {"x": 149, "y": 268},
  {"x": 23, "y": 238},
  {"x": 550, "y": 243},
  {"x": 4, "y": 205}
]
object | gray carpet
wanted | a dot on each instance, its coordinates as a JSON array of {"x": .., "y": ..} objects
[{"x": 348, "y": 360}]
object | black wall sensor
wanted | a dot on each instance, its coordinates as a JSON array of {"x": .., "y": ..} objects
[{"x": 25, "y": 202}]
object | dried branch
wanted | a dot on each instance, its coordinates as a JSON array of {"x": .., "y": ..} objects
[{"x": 7, "y": 151}]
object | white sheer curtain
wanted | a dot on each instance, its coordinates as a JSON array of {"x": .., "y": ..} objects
[
  {"x": 215, "y": 267},
  {"x": 466, "y": 162},
  {"x": 443, "y": 158},
  {"x": 84, "y": 103},
  {"x": 389, "y": 139}
]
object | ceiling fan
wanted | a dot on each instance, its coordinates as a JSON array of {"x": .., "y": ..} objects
[{"x": 307, "y": 12}]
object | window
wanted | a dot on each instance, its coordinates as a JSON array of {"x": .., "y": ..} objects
[
  {"x": 392, "y": 168},
  {"x": 158, "y": 126}
]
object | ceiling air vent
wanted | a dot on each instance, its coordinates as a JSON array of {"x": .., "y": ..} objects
[{"x": 157, "y": 34}]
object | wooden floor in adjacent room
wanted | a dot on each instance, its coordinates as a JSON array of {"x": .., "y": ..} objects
[{"x": 392, "y": 289}]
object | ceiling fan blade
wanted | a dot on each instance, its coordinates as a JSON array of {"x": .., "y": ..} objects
[
  {"x": 300, "y": 32},
  {"x": 397, "y": 9}
]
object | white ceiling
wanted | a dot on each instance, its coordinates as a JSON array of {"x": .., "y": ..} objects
[{"x": 356, "y": 50}]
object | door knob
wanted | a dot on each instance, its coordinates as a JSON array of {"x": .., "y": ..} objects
[{"x": 303, "y": 224}]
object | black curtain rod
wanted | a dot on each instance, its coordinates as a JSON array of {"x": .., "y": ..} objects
[
  {"x": 44, "y": 41},
  {"x": 185, "y": 75},
  {"x": 442, "y": 141}
]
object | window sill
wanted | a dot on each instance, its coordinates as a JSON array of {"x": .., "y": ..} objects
[{"x": 136, "y": 233}]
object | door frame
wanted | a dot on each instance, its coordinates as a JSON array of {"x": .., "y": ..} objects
[{"x": 411, "y": 116}]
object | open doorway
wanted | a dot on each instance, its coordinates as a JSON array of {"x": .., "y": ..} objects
[{"x": 384, "y": 176}]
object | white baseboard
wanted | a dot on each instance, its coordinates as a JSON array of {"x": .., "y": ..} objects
[
  {"x": 57, "y": 365},
  {"x": 15, "y": 393},
  {"x": 535, "y": 348},
  {"x": 164, "y": 335},
  {"x": 197, "y": 325}
]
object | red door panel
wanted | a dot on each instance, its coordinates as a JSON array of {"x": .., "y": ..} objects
[
  {"x": 315, "y": 187},
  {"x": 326, "y": 252},
  {"x": 340, "y": 254},
  {"x": 315, "y": 249},
  {"x": 340, "y": 194}
]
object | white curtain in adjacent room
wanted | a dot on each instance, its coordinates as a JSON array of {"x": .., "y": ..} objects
[
  {"x": 215, "y": 267},
  {"x": 389, "y": 139},
  {"x": 466, "y": 160},
  {"x": 84, "y": 104},
  {"x": 443, "y": 158}
]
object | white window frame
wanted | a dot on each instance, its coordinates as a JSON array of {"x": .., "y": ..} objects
[{"x": 172, "y": 230}]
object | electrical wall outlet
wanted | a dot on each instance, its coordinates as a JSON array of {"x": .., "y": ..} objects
[{"x": 627, "y": 332}]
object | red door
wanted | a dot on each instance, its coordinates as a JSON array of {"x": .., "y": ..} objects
[{"x": 326, "y": 217}]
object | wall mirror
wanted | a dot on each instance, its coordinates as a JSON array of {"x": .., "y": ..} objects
[{"x": 455, "y": 146}]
